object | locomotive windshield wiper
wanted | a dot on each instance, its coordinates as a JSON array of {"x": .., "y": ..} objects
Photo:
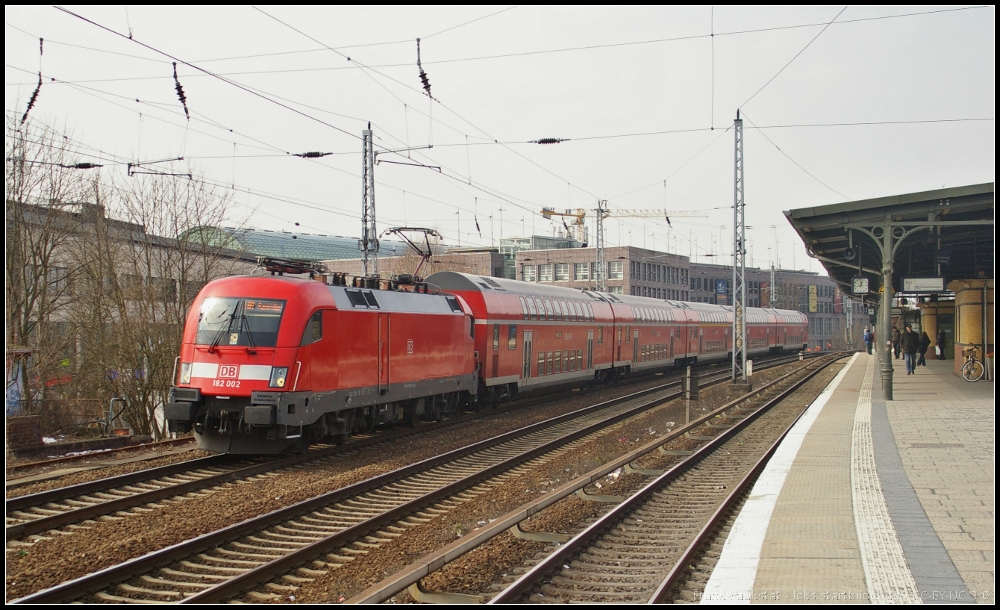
[
  {"x": 225, "y": 329},
  {"x": 245, "y": 322}
]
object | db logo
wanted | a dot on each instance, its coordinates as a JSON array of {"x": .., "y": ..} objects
[{"x": 229, "y": 371}]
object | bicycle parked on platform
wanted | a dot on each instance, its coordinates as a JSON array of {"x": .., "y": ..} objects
[{"x": 974, "y": 368}]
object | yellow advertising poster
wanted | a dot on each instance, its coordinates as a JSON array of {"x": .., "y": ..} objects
[{"x": 812, "y": 298}]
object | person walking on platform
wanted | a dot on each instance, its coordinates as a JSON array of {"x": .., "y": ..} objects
[
  {"x": 909, "y": 343},
  {"x": 939, "y": 348},
  {"x": 922, "y": 346},
  {"x": 868, "y": 341},
  {"x": 896, "y": 336}
]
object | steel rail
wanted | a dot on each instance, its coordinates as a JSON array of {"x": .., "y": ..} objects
[
  {"x": 432, "y": 562},
  {"x": 98, "y": 453},
  {"x": 578, "y": 542},
  {"x": 89, "y": 583},
  {"x": 123, "y": 571}
]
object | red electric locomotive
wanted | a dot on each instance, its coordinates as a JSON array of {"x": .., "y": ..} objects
[{"x": 268, "y": 364}]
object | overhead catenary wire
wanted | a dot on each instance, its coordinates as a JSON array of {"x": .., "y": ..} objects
[
  {"x": 818, "y": 34},
  {"x": 205, "y": 71},
  {"x": 557, "y": 50},
  {"x": 797, "y": 164}
]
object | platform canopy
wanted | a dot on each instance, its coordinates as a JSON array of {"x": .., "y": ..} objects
[{"x": 946, "y": 233}]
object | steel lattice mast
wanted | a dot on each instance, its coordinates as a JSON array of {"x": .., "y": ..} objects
[
  {"x": 602, "y": 208},
  {"x": 369, "y": 234},
  {"x": 739, "y": 264}
]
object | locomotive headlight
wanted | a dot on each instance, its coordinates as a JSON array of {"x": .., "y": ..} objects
[
  {"x": 185, "y": 372},
  {"x": 278, "y": 375}
]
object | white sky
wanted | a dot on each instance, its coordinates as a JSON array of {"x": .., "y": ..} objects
[{"x": 926, "y": 67}]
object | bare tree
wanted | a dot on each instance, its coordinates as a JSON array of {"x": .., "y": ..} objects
[
  {"x": 143, "y": 269},
  {"x": 41, "y": 192}
]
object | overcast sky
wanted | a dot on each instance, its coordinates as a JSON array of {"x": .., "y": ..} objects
[{"x": 610, "y": 80}]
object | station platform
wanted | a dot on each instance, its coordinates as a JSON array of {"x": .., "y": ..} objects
[{"x": 873, "y": 501}]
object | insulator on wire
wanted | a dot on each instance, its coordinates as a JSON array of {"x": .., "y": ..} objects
[
  {"x": 34, "y": 97},
  {"x": 180, "y": 93},
  {"x": 423, "y": 75},
  {"x": 548, "y": 141},
  {"x": 85, "y": 165},
  {"x": 315, "y": 154}
]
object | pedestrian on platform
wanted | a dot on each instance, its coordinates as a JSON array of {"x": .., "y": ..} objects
[
  {"x": 909, "y": 343},
  {"x": 939, "y": 348},
  {"x": 896, "y": 336},
  {"x": 868, "y": 341},
  {"x": 922, "y": 347}
]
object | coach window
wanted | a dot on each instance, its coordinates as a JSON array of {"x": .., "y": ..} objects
[
  {"x": 512, "y": 336},
  {"x": 549, "y": 315},
  {"x": 600, "y": 335},
  {"x": 541, "y": 308},
  {"x": 524, "y": 308},
  {"x": 314, "y": 329},
  {"x": 541, "y": 363},
  {"x": 496, "y": 337},
  {"x": 533, "y": 314}
]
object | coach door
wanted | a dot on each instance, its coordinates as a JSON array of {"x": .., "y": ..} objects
[
  {"x": 383, "y": 353},
  {"x": 590, "y": 349},
  {"x": 671, "y": 343},
  {"x": 526, "y": 363},
  {"x": 635, "y": 345}
]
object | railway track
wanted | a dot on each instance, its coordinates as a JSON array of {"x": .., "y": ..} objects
[
  {"x": 42, "y": 512},
  {"x": 641, "y": 539},
  {"x": 303, "y": 535},
  {"x": 16, "y": 469},
  {"x": 637, "y": 552},
  {"x": 265, "y": 558}
]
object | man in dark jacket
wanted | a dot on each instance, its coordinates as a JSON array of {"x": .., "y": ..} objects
[
  {"x": 896, "y": 337},
  {"x": 909, "y": 343}
]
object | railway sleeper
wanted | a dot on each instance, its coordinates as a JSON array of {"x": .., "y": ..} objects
[
  {"x": 318, "y": 526},
  {"x": 229, "y": 560},
  {"x": 296, "y": 580},
  {"x": 174, "y": 583},
  {"x": 341, "y": 559},
  {"x": 118, "y": 599},
  {"x": 179, "y": 574},
  {"x": 218, "y": 569},
  {"x": 579, "y": 569},
  {"x": 605, "y": 580},
  {"x": 302, "y": 531},
  {"x": 568, "y": 595},
  {"x": 273, "y": 586},
  {"x": 126, "y": 588},
  {"x": 262, "y": 557},
  {"x": 267, "y": 550},
  {"x": 283, "y": 538},
  {"x": 311, "y": 573}
]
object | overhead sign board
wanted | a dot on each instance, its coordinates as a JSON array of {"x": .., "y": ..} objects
[{"x": 923, "y": 284}]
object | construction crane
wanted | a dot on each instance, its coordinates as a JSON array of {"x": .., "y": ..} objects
[{"x": 579, "y": 229}]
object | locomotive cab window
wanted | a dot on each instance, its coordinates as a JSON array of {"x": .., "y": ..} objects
[
  {"x": 239, "y": 321},
  {"x": 314, "y": 329}
]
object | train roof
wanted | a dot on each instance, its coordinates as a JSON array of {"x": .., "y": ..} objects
[{"x": 453, "y": 280}]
